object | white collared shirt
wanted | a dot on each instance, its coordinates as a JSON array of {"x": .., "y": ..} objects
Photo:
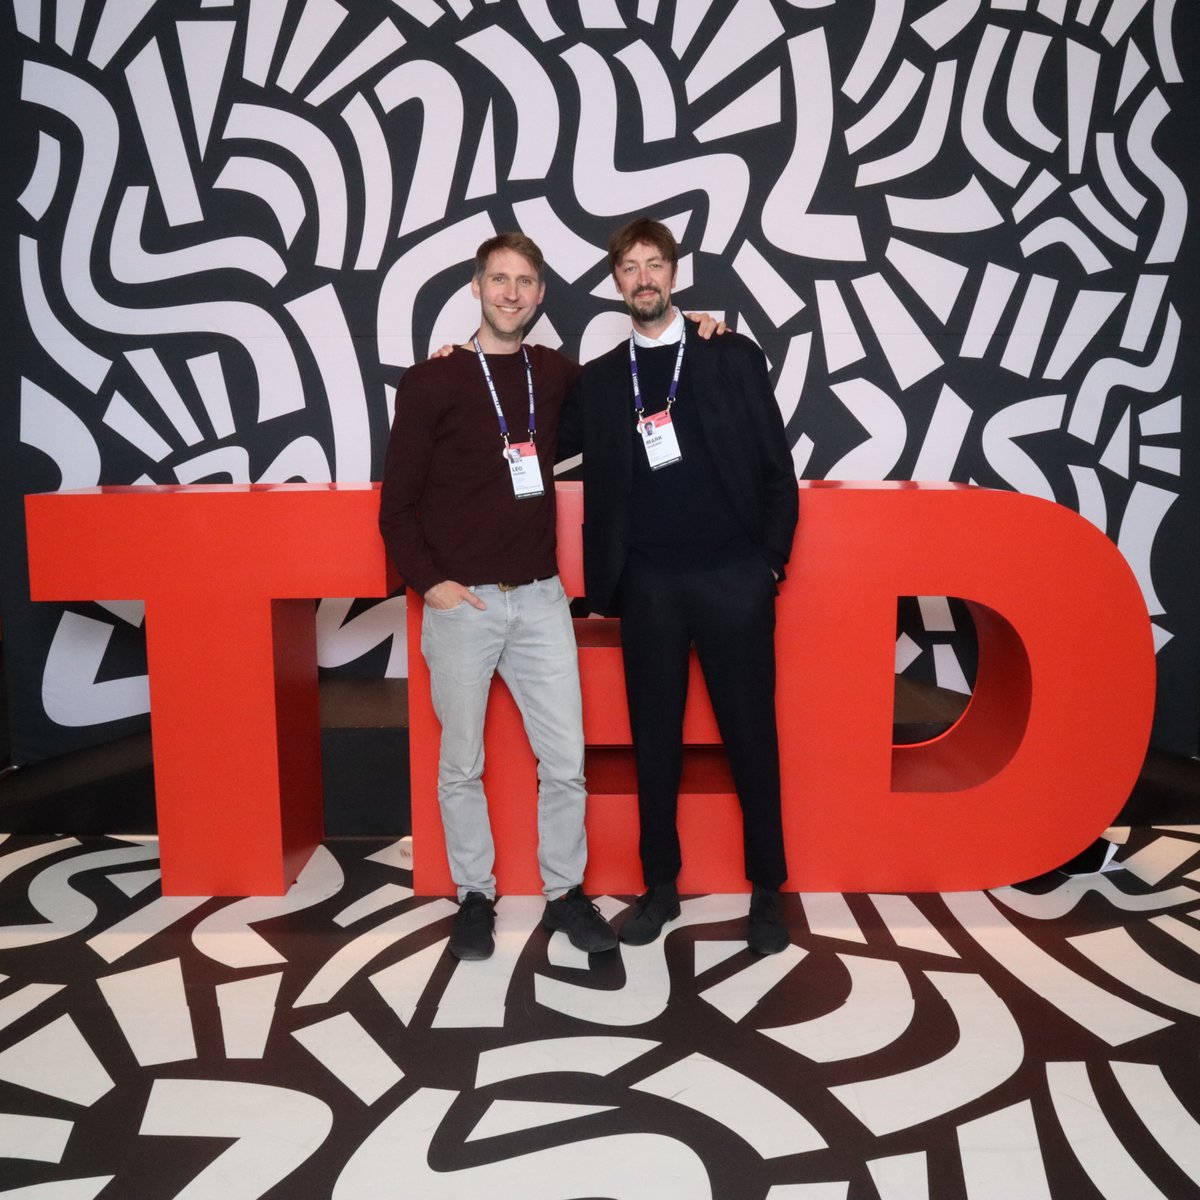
[{"x": 668, "y": 337}]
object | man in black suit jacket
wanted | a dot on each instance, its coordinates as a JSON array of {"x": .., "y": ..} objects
[{"x": 690, "y": 506}]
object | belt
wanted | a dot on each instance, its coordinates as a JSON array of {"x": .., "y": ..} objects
[{"x": 509, "y": 587}]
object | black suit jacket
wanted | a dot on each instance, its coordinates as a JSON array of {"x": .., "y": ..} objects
[{"x": 743, "y": 428}]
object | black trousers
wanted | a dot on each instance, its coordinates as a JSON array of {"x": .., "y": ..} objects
[{"x": 728, "y": 612}]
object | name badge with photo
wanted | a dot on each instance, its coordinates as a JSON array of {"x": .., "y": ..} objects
[
  {"x": 659, "y": 440},
  {"x": 523, "y": 467}
]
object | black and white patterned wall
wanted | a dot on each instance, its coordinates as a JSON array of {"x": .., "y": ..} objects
[{"x": 958, "y": 228}]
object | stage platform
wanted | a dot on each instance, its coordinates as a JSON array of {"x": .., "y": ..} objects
[{"x": 1028, "y": 1042}]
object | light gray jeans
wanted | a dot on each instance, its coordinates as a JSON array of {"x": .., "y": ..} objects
[{"x": 526, "y": 635}]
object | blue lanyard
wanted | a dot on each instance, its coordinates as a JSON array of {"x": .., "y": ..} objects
[
  {"x": 638, "y": 407},
  {"x": 496, "y": 399}
]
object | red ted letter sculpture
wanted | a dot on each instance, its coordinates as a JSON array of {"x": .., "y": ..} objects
[{"x": 1039, "y": 764}]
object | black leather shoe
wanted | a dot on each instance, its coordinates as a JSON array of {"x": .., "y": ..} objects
[
  {"x": 651, "y": 912},
  {"x": 581, "y": 921},
  {"x": 471, "y": 937},
  {"x": 766, "y": 933}
]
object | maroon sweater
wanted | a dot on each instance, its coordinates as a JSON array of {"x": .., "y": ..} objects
[{"x": 447, "y": 509}]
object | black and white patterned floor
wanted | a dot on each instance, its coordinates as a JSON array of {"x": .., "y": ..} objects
[{"x": 1010, "y": 1045}]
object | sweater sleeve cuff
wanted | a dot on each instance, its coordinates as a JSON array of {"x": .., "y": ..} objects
[{"x": 422, "y": 581}]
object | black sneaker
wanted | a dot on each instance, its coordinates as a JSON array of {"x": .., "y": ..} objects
[
  {"x": 471, "y": 937},
  {"x": 651, "y": 912},
  {"x": 766, "y": 933},
  {"x": 581, "y": 921}
]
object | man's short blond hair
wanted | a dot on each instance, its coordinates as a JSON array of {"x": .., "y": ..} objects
[{"x": 526, "y": 247}]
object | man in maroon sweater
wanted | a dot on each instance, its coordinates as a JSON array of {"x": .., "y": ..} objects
[{"x": 467, "y": 514}]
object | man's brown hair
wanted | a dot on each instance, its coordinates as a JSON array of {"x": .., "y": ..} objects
[
  {"x": 653, "y": 233},
  {"x": 517, "y": 242}
]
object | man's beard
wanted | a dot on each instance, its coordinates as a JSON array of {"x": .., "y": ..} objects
[{"x": 657, "y": 310}]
